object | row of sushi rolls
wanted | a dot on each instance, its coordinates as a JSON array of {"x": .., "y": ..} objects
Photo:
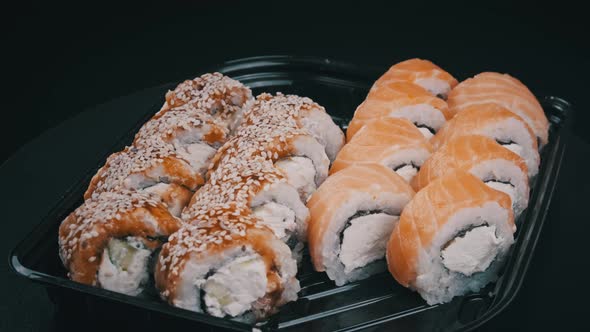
[{"x": 214, "y": 202}]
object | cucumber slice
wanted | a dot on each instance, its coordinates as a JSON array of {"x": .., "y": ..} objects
[{"x": 122, "y": 252}]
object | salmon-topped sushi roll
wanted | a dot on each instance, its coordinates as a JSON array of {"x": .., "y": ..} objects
[
  {"x": 401, "y": 100},
  {"x": 503, "y": 90},
  {"x": 496, "y": 122},
  {"x": 352, "y": 215},
  {"x": 483, "y": 157},
  {"x": 451, "y": 238},
  {"x": 423, "y": 73},
  {"x": 394, "y": 143}
]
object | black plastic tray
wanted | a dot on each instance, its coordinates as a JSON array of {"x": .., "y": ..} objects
[{"x": 377, "y": 303}]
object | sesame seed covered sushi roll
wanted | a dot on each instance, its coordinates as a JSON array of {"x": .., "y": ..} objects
[
  {"x": 495, "y": 122},
  {"x": 182, "y": 126},
  {"x": 156, "y": 168},
  {"x": 109, "y": 241},
  {"x": 505, "y": 91},
  {"x": 394, "y": 143},
  {"x": 297, "y": 112},
  {"x": 496, "y": 166},
  {"x": 232, "y": 267},
  {"x": 254, "y": 184},
  {"x": 423, "y": 73},
  {"x": 401, "y": 100},
  {"x": 294, "y": 152},
  {"x": 220, "y": 96},
  {"x": 451, "y": 238},
  {"x": 273, "y": 130},
  {"x": 352, "y": 216},
  {"x": 194, "y": 134}
]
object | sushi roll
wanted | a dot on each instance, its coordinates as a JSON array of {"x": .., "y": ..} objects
[
  {"x": 423, "y": 73},
  {"x": 181, "y": 126},
  {"x": 259, "y": 187},
  {"x": 274, "y": 130},
  {"x": 505, "y": 91},
  {"x": 220, "y": 96},
  {"x": 194, "y": 134},
  {"x": 299, "y": 156},
  {"x": 451, "y": 238},
  {"x": 496, "y": 166},
  {"x": 401, "y": 100},
  {"x": 496, "y": 122},
  {"x": 352, "y": 216},
  {"x": 299, "y": 112},
  {"x": 156, "y": 168},
  {"x": 226, "y": 265},
  {"x": 110, "y": 239},
  {"x": 394, "y": 143}
]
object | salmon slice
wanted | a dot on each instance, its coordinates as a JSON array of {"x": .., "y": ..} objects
[
  {"x": 372, "y": 182},
  {"x": 463, "y": 153},
  {"x": 428, "y": 212},
  {"x": 483, "y": 157},
  {"x": 400, "y": 100},
  {"x": 493, "y": 121},
  {"x": 423, "y": 73},
  {"x": 503, "y": 90},
  {"x": 390, "y": 142}
]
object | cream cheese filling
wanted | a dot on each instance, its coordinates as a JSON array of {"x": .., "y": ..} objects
[
  {"x": 233, "y": 287},
  {"x": 365, "y": 240},
  {"x": 123, "y": 267},
  {"x": 472, "y": 252}
]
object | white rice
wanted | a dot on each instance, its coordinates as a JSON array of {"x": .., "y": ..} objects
[
  {"x": 421, "y": 115},
  {"x": 410, "y": 160},
  {"x": 513, "y": 130},
  {"x": 502, "y": 170},
  {"x": 435, "y": 86},
  {"x": 325, "y": 131},
  {"x": 308, "y": 147}
]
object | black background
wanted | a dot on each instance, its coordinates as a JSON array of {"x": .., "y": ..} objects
[{"x": 63, "y": 58}]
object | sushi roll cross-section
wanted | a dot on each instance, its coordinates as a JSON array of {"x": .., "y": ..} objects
[
  {"x": 110, "y": 239},
  {"x": 352, "y": 215},
  {"x": 233, "y": 267},
  {"x": 393, "y": 143},
  {"x": 505, "y": 91},
  {"x": 495, "y": 122},
  {"x": 401, "y": 100},
  {"x": 497, "y": 166},
  {"x": 452, "y": 238}
]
